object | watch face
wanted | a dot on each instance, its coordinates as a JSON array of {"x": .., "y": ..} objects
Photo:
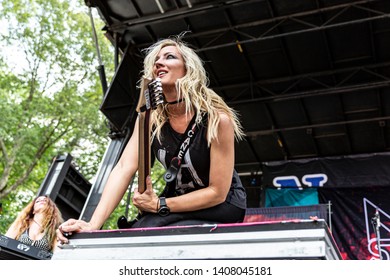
[{"x": 163, "y": 211}]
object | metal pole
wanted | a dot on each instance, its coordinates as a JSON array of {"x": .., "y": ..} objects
[
  {"x": 377, "y": 225},
  {"x": 100, "y": 68},
  {"x": 330, "y": 214}
]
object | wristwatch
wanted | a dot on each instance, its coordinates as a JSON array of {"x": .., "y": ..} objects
[{"x": 163, "y": 210}]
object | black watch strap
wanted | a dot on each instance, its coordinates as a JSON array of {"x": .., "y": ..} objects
[
  {"x": 163, "y": 210},
  {"x": 163, "y": 202}
]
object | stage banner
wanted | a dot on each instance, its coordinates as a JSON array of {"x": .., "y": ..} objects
[
  {"x": 358, "y": 188},
  {"x": 290, "y": 197},
  {"x": 360, "y": 218},
  {"x": 370, "y": 170}
]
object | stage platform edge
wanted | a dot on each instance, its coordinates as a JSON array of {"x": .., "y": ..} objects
[{"x": 294, "y": 239}]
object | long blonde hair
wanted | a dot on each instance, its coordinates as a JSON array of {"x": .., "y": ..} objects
[
  {"x": 52, "y": 220},
  {"x": 193, "y": 89}
]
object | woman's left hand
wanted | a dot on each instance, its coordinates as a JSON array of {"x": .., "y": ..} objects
[{"x": 148, "y": 200}]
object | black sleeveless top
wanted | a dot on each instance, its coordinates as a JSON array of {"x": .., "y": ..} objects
[{"x": 195, "y": 168}]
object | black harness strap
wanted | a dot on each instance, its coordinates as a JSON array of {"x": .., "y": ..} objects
[{"x": 174, "y": 166}]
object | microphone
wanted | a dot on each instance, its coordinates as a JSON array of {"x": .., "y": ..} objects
[{"x": 377, "y": 218}]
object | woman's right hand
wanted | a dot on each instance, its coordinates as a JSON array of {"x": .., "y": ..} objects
[{"x": 70, "y": 226}]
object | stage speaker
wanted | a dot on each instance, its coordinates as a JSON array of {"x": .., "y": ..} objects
[{"x": 66, "y": 186}]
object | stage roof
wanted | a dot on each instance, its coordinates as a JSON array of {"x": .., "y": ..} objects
[{"x": 310, "y": 79}]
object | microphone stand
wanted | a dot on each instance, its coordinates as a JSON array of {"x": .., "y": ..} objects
[{"x": 377, "y": 223}]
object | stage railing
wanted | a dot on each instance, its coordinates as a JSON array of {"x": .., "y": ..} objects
[{"x": 266, "y": 214}]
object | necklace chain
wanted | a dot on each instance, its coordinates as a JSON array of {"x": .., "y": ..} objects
[{"x": 37, "y": 223}]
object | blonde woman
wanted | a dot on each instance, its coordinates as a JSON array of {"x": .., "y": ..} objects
[
  {"x": 206, "y": 186},
  {"x": 36, "y": 224}
]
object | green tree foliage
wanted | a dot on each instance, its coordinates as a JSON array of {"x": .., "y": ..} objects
[{"x": 50, "y": 95}]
